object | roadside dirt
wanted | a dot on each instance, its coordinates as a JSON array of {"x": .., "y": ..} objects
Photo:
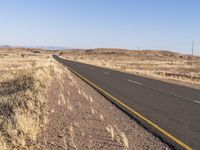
[{"x": 82, "y": 119}]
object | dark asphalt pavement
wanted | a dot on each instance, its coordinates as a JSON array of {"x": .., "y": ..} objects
[{"x": 174, "y": 108}]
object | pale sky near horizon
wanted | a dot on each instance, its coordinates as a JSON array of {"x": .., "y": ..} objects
[{"x": 147, "y": 24}]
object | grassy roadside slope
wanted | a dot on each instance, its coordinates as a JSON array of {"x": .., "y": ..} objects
[{"x": 23, "y": 84}]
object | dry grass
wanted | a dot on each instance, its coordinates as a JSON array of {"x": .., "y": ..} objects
[
  {"x": 162, "y": 65},
  {"x": 23, "y": 112},
  {"x": 28, "y": 99}
]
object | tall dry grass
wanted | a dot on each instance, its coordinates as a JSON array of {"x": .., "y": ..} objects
[{"x": 23, "y": 111}]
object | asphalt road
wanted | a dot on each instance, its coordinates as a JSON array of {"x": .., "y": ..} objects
[{"x": 173, "y": 108}]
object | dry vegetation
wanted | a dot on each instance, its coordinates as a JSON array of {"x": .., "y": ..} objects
[
  {"x": 162, "y": 65},
  {"x": 45, "y": 106},
  {"x": 23, "y": 112}
]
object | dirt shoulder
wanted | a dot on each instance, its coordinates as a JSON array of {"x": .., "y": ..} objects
[{"x": 81, "y": 118}]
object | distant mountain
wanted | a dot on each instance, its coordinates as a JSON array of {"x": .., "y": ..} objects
[
  {"x": 51, "y": 47},
  {"x": 37, "y": 47},
  {"x": 5, "y": 46}
]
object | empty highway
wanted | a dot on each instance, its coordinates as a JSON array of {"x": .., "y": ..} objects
[{"x": 167, "y": 110}]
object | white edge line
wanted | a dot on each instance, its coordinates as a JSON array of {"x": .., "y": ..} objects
[
  {"x": 106, "y": 72},
  {"x": 197, "y": 102},
  {"x": 135, "y": 82}
]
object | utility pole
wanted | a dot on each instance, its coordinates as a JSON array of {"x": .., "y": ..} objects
[
  {"x": 192, "y": 57},
  {"x": 192, "y": 48}
]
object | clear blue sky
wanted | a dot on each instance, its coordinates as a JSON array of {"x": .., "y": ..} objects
[{"x": 148, "y": 24}]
